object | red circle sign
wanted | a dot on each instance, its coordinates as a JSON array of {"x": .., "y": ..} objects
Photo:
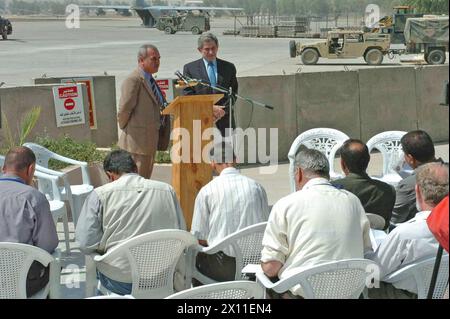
[{"x": 69, "y": 104}]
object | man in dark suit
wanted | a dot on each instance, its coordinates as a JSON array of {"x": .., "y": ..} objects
[
  {"x": 215, "y": 71},
  {"x": 376, "y": 196},
  {"x": 418, "y": 148}
]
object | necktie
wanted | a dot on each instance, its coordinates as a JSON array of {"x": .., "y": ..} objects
[
  {"x": 212, "y": 74},
  {"x": 156, "y": 91}
]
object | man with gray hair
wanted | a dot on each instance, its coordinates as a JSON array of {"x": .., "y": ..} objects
[
  {"x": 128, "y": 206},
  {"x": 139, "y": 114},
  {"x": 412, "y": 240},
  {"x": 316, "y": 224},
  {"x": 217, "y": 72},
  {"x": 225, "y": 205}
]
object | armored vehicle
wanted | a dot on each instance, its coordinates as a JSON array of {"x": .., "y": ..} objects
[
  {"x": 343, "y": 44},
  {"x": 187, "y": 21},
  {"x": 5, "y": 28}
]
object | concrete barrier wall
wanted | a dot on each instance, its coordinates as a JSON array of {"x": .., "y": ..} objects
[
  {"x": 15, "y": 102},
  {"x": 328, "y": 99},
  {"x": 275, "y": 91},
  {"x": 360, "y": 103},
  {"x": 105, "y": 106},
  {"x": 431, "y": 116},
  {"x": 387, "y": 100}
]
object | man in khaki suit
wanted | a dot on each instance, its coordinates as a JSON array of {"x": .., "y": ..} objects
[{"x": 139, "y": 111}]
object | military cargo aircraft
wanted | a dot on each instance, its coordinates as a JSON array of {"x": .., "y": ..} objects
[{"x": 150, "y": 14}]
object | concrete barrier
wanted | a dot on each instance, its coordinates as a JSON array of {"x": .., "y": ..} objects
[
  {"x": 387, "y": 100},
  {"x": 15, "y": 102},
  {"x": 431, "y": 116}
]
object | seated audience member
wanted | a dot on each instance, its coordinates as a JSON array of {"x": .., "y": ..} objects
[
  {"x": 318, "y": 223},
  {"x": 25, "y": 215},
  {"x": 418, "y": 149},
  {"x": 128, "y": 206},
  {"x": 412, "y": 240},
  {"x": 225, "y": 205},
  {"x": 376, "y": 196}
]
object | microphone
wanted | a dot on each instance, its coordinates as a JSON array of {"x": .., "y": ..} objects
[{"x": 184, "y": 81}]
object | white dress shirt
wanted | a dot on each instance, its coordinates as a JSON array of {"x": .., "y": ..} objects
[
  {"x": 407, "y": 243},
  {"x": 227, "y": 204},
  {"x": 318, "y": 224}
]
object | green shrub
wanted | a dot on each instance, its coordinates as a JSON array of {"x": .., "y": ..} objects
[{"x": 66, "y": 146}]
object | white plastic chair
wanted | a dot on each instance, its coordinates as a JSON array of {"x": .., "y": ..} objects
[
  {"x": 421, "y": 272},
  {"x": 326, "y": 140},
  {"x": 376, "y": 221},
  {"x": 15, "y": 262},
  {"x": 79, "y": 193},
  {"x": 246, "y": 245},
  {"x": 240, "y": 289},
  {"x": 112, "y": 297},
  {"x": 343, "y": 279},
  {"x": 57, "y": 206},
  {"x": 388, "y": 143},
  {"x": 152, "y": 257}
]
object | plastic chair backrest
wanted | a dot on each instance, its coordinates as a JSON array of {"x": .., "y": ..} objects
[
  {"x": 246, "y": 244},
  {"x": 326, "y": 140},
  {"x": 153, "y": 257},
  {"x": 240, "y": 289},
  {"x": 343, "y": 279},
  {"x": 376, "y": 221},
  {"x": 15, "y": 262},
  {"x": 43, "y": 156},
  {"x": 388, "y": 143},
  {"x": 421, "y": 272}
]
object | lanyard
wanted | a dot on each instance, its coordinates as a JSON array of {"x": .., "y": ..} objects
[{"x": 12, "y": 180}]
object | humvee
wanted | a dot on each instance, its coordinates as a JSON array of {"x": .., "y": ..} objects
[
  {"x": 344, "y": 44},
  {"x": 5, "y": 28},
  {"x": 195, "y": 23}
]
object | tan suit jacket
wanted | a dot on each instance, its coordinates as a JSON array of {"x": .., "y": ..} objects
[{"x": 138, "y": 116}]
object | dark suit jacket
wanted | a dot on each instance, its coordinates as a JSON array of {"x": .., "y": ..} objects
[
  {"x": 376, "y": 196},
  {"x": 226, "y": 78}
]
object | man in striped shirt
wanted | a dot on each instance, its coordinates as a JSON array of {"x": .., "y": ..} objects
[{"x": 227, "y": 204}]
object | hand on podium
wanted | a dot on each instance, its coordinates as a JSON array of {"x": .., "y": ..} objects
[{"x": 218, "y": 112}]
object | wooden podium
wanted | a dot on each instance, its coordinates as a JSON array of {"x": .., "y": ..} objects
[{"x": 188, "y": 177}]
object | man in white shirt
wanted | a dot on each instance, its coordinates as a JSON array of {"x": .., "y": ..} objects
[
  {"x": 225, "y": 205},
  {"x": 318, "y": 223},
  {"x": 412, "y": 241},
  {"x": 128, "y": 206}
]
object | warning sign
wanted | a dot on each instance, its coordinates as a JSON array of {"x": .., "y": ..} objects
[
  {"x": 69, "y": 108},
  {"x": 166, "y": 87}
]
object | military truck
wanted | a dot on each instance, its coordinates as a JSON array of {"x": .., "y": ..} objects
[
  {"x": 5, "y": 28},
  {"x": 427, "y": 35},
  {"x": 187, "y": 21},
  {"x": 343, "y": 44}
]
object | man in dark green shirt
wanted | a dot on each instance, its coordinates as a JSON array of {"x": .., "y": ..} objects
[{"x": 376, "y": 196}]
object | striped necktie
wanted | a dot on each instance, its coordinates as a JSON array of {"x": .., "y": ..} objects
[
  {"x": 156, "y": 91},
  {"x": 212, "y": 74}
]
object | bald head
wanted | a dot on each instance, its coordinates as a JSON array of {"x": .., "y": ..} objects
[
  {"x": 355, "y": 156},
  {"x": 432, "y": 182}
]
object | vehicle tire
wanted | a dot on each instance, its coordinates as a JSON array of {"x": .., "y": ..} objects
[
  {"x": 195, "y": 30},
  {"x": 310, "y": 56},
  {"x": 292, "y": 49},
  {"x": 168, "y": 30},
  {"x": 4, "y": 33},
  {"x": 436, "y": 57},
  {"x": 373, "y": 57}
]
